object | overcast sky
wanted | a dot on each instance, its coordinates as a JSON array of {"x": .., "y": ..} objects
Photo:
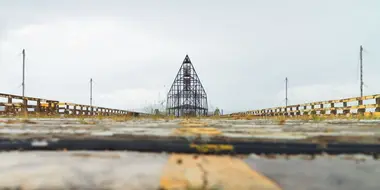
[{"x": 241, "y": 50}]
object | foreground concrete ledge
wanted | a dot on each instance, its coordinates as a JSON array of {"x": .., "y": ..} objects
[
  {"x": 80, "y": 170},
  {"x": 326, "y": 172},
  {"x": 119, "y": 170}
]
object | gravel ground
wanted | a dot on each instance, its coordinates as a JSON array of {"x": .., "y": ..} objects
[{"x": 262, "y": 129}]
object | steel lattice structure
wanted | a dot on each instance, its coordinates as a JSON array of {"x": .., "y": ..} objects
[{"x": 187, "y": 96}]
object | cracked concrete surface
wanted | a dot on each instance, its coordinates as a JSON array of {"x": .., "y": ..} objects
[{"x": 204, "y": 176}]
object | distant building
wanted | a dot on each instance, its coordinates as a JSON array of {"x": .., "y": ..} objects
[{"x": 187, "y": 96}]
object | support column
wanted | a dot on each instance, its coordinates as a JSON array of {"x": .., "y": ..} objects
[
  {"x": 74, "y": 110},
  {"x": 67, "y": 109},
  {"x": 291, "y": 113},
  {"x": 38, "y": 108},
  {"x": 25, "y": 106},
  {"x": 377, "y": 105},
  {"x": 313, "y": 112},
  {"x": 361, "y": 110},
  {"x": 49, "y": 108},
  {"x": 333, "y": 112},
  {"x": 345, "y": 111},
  {"x": 322, "y": 112},
  {"x": 55, "y": 106},
  {"x": 80, "y": 110},
  {"x": 8, "y": 109},
  {"x": 298, "y": 112},
  {"x": 304, "y": 111}
]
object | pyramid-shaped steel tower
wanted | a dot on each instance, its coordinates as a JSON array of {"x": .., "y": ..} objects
[{"x": 187, "y": 96}]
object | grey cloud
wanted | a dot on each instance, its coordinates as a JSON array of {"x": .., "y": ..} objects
[{"x": 242, "y": 50}]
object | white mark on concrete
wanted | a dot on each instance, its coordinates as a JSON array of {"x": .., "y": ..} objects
[{"x": 39, "y": 143}]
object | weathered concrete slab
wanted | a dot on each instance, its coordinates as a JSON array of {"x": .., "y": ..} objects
[
  {"x": 212, "y": 172},
  {"x": 133, "y": 170},
  {"x": 81, "y": 170},
  {"x": 322, "y": 173}
]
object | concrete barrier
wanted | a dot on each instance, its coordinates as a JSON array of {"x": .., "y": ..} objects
[{"x": 39, "y": 106}]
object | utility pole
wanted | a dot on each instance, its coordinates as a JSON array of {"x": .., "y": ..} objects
[
  {"x": 159, "y": 97},
  {"x": 286, "y": 92},
  {"x": 23, "y": 73},
  {"x": 91, "y": 92},
  {"x": 361, "y": 71}
]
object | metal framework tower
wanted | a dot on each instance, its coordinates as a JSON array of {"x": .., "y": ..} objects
[{"x": 187, "y": 96}]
